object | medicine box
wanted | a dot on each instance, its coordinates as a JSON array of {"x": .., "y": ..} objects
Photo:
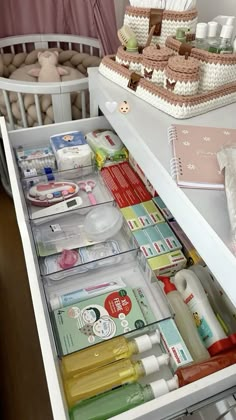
[
  {"x": 169, "y": 237},
  {"x": 188, "y": 249},
  {"x": 142, "y": 176},
  {"x": 135, "y": 182},
  {"x": 96, "y": 319},
  {"x": 173, "y": 344},
  {"x": 168, "y": 264},
  {"x": 142, "y": 215},
  {"x": 163, "y": 209},
  {"x": 120, "y": 188},
  {"x": 150, "y": 242}
]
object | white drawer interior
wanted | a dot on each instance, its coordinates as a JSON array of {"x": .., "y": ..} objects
[{"x": 164, "y": 407}]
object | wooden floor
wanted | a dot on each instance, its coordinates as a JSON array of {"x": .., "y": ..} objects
[{"x": 23, "y": 388}]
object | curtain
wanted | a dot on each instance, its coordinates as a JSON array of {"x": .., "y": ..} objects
[{"x": 94, "y": 18}]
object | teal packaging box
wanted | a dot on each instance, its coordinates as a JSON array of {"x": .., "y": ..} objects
[
  {"x": 169, "y": 237},
  {"x": 94, "y": 320},
  {"x": 163, "y": 209},
  {"x": 150, "y": 242}
]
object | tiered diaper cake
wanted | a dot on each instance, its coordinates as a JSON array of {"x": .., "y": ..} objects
[{"x": 171, "y": 74}]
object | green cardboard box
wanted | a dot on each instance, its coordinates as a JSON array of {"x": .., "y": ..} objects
[{"x": 96, "y": 319}]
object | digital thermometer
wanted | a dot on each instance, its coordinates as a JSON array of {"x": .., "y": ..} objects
[{"x": 63, "y": 206}]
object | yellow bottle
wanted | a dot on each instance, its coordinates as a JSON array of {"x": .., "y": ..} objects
[
  {"x": 84, "y": 386},
  {"x": 107, "y": 352}
]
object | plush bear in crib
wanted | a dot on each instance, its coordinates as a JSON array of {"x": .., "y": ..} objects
[{"x": 49, "y": 71}]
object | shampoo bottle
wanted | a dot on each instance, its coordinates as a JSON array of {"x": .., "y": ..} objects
[
  {"x": 107, "y": 352},
  {"x": 209, "y": 329},
  {"x": 118, "y": 373},
  {"x": 226, "y": 315},
  {"x": 116, "y": 401},
  {"x": 185, "y": 321}
]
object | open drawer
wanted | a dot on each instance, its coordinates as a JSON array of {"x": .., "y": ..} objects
[{"x": 178, "y": 402}]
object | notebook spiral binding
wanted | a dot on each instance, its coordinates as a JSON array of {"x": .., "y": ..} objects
[{"x": 175, "y": 163}]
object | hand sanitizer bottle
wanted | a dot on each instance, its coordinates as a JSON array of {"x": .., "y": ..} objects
[
  {"x": 212, "y": 39},
  {"x": 201, "y": 36},
  {"x": 111, "y": 376},
  {"x": 225, "y": 44},
  {"x": 116, "y": 401}
]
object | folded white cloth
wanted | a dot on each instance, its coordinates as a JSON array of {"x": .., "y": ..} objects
[{"x": 177, "y": 5}]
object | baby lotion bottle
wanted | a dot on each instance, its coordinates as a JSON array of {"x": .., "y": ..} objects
[
  {"x": 118, "y": 373},
  {"x": 225, "y": 314},
  {"x": 107, "y": 352},
  {"x": 185, "y": 321},
  {"x": 209, "y": 329},
  {"x": 116, "y": 401}
]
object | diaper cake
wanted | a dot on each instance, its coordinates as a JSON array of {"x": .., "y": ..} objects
[{"x": 181, "y": 67}]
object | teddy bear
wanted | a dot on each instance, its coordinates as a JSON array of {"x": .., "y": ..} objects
[{"x": 49, "y": 71}]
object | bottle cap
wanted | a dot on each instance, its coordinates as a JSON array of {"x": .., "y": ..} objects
[
  {"x": 162, "y": 386},
  {"x": 55, "y": 303},
  {"x": 227, "y": 31},
  {"x": 152, "y": 364},
  {"x": 230, "y": 20},
  {"x": 212, "y": 29},
  {"x": 145, "y": 342},
  {"x": 201, "y": 30},
  {"x": 168, "y": 286},
  {"x": 219, "y": 346}
]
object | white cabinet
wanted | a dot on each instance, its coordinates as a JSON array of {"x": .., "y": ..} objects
[{"x": 143, "y": 131}]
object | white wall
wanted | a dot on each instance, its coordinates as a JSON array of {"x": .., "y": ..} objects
[
  {"x": 208, "y": 9},
  {"x": 120, "y": 9}
]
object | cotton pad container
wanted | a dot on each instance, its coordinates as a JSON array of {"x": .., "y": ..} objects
[{"x": 102, "y": 223}]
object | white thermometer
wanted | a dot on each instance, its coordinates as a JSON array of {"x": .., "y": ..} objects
[{"x": 70, "y": 204}]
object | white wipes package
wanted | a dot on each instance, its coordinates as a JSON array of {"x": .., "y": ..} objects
[
  {"x": 71, "y": 150},
  {"x": 227, "y": 161}
]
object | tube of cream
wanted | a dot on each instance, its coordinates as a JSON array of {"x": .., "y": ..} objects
[{"x": 58, "y": 301}]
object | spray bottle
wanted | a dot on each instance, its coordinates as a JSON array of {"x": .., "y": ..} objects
[
  {"x": 209, "y": 329},
  {"x": 185, "y": 321}
]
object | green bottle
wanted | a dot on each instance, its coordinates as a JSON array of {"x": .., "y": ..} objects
[{"x": 116, "y": 401}]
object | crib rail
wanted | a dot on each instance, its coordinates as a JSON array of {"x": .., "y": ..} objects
[
  {"x": 25, "y": 42},
  {"x": 60, "y": 93}
]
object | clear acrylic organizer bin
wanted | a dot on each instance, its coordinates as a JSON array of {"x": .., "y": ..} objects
[
  {"x": 65, "y": 242},
  {"x": 90, "y": 257},
  {"x": 128, "y": 274},
  {"x": 61, "y": 191}
]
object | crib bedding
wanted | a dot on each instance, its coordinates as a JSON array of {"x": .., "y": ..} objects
[{"x": 16, "y": 67}]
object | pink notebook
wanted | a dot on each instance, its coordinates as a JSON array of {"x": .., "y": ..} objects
[{"x": 194, "y": 163}]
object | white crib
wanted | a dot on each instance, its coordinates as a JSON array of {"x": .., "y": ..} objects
[{"x": 60, "y": 92}]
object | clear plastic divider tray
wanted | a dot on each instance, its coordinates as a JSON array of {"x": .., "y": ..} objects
[
  {"x": 65, "y": 242},
  {"x": 59, "y": 192},
  {"x": 142, "y": 303}
]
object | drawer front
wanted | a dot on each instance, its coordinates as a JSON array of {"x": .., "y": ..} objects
[{"x": 167, "y": 406}]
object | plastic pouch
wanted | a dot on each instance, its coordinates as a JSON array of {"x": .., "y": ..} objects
[{"x": 227, "y": 161}]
